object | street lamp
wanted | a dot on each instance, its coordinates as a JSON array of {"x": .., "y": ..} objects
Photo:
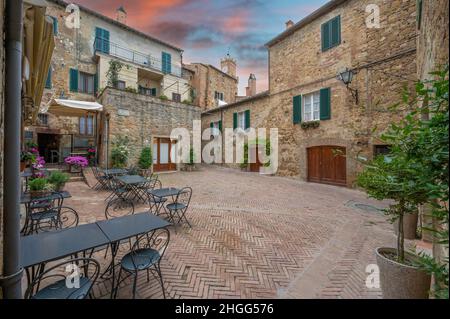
[{"x": 347, "y": 77}]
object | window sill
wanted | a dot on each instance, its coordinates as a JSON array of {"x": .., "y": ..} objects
[{"x": 309, "y": 124}]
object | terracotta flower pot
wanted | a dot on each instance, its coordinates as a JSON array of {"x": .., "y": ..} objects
[
  {"x": 37, "y": 194},
  {"x": 409, "y": 225},
  {"x": 23, "y": 165},
  {"x": 399, "y": 281}
]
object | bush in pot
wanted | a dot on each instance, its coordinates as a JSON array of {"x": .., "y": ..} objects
[
  {"x": 145, "y": 161},
  {"x": 39, "y": 187},
  {"x": 414, "y": 173},
  {"x": 120, "y": 152},
  {"x": 58, "y": 180}
]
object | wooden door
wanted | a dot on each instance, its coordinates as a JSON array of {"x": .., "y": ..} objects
[
  {"x": 255, "y": 159},
  {"x": 162, "y": 155},
  {"x": 327, "y": 164}
]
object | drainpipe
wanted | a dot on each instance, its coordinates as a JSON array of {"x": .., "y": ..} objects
[{"x": 12, "y": 271}]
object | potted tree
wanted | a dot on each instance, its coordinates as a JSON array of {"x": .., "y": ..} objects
[
  {"x": 145, "y": 162},
  {"x": 58, "y": 180}
]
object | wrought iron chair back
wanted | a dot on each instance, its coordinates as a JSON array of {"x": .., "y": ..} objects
[
  {"x": 157, "y": 240},
  {"x": 45, "y": 213},
  {"x": 71, "y": 279}
]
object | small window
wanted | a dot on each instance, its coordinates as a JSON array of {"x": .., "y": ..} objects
[
  {"x": 166, "y": 63},
  {"x": 43, "y": 119},
  {"x": 176, "y": 97},
  {"x": 311, "y": 107},
  {"x": 48, "y": 81},
  {"x": 147, "y": 91},
  {"x": 86, "y": 83},
  {"x": 218, "y": 96},
  {"x": 381, "y": 150},
  {"x": 87, "y": 125},
  {"x": 121, "y": 85},
  {"x": 55, "y": 25},
  {"x": 217, "y": 126},
  {"x": 241, "y": 120}
]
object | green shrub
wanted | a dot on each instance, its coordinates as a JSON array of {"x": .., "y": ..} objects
[
  {"x": 38, "y": 184},
  {"x": 163, "y": 97},
  {"x": 120, "y": 152},
  {"x": 145, "y": 160},
  {"x": 58, "y": 179}
]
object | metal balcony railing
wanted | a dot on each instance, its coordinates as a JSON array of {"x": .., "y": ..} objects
[{"x": 145, "y": 60}]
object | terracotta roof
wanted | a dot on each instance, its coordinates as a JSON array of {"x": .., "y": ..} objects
[
  {"x": 329, "y": 6},
  {"x": 117, "y": 23},
  {"x": 249, "y": 99}
]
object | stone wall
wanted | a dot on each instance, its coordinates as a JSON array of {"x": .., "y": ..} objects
[
  {"x": 142, "y": 117},
  {"x": 2, "y": 100},
  {"x": 207, "y": 80},
  {"x": 385, "y": 61}
]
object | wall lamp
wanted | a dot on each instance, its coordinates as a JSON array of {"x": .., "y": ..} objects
[{"x": 347, "y": 77}]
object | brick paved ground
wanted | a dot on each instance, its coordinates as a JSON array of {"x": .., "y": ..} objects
[{"x": 259, "y": 237}]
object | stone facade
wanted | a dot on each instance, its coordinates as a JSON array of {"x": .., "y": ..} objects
[
  {"x": 384, "y": 60},
  {"x": 142, "y": 118},
  {"x": 207, "y": 80}
]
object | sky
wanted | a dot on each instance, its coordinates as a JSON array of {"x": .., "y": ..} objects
[{"x": 207, "y": 30}]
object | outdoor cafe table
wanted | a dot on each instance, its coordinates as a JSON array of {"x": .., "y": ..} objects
[
  {"x": 38, "y": 249},
  {"x": 126, "y": 227},
  {"x": 25, "y": 198},
  {"x": 115, "y": 171},
  {"x": 41, "y": 248},
  {"x": 132, "y": 182},
  {"x": 165, "y": 192}
]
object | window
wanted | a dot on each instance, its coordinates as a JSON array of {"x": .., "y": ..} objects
[
  {"x": 87, "y": 125},
  {"x": 121, "y": 85},
  {"x": 218, "y": 96},
  {"x": 176, "y": 97},
  {"x": 311, "y": 107},
  {"x": 102, "y": 40},
  {"x": 43, "y": 119},
  {"x": 381, "y": 150},
  {"x": 86, "y": 83},
  {"x": 331, "y": 33},
  {"x": 217, "y": 126},
  {"x": 166, "y": 63},
  {"x": 147, "y": 91},
  {"x": 241, "y": 120}
]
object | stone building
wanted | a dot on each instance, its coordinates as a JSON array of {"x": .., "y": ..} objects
[
  {"x": 105, "y": 55},
  {"x": 2, "y": 102},
  {"x": 324, "y": 124},
  {"x": 212, "y": 85}
]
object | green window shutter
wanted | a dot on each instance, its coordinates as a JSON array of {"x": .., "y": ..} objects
[
  {"x": 336, "y": 31},
  {"x": 220, "y": 126},
  {"x": 235, "y": 120},
  {"x": 153, "y": 90},
  {"x": 55, "y": 25},
  {"x": 166, "y": 63},
  {"x": 247, "y": 119},
  {"x": 73, "y": 80},
  {"x": 48, "y": 82},
  {"x": 211, "y": 125},
  {"x": 325, "y": 104},
  {"x": 325, "y": 36},
  {"x": 102, "y": 40},
  {"x": 297, "y": 107},
  {"x": 95, "y": 83},
  {"x": 419, "y": 13}
]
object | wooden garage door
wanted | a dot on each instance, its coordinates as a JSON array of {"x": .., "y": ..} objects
[{"x": 327, "y": 164}]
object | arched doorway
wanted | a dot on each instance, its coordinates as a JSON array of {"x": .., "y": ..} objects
[{"x": 328, "y": 165}]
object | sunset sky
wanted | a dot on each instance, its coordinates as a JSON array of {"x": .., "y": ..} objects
[{"x": 207, "y": 29}]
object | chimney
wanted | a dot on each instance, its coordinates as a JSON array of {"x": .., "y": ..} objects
[
  {"x": 228, "y": 65},
  {"x": 121, "y": 15},
  {"x": 289, "y": 24},
  {"x": 251, "y": 88}
]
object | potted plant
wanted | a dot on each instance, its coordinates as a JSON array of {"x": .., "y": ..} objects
[
  {"x": 145, "y": 161},
  {"x": 39, "y": 187},
  {"x": 190, "y": 163},
  {"x": 120, "y": 152},
  {"x": 58, "y": 180},
  {"x": 26, "y": 159},
  {"x": 76, "y": 163},
  {"x": 91, "y": 156}
]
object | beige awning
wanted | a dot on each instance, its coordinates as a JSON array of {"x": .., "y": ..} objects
[
  {"x": 38, "y": 46},
  {"x": 73, "y": 107}
]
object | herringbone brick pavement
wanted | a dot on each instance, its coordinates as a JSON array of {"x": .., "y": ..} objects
[{"x": 257, "y": 237}]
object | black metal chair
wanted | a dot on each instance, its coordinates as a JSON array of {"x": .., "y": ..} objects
[
  {"x": 43, "y": 213},
  {"x": 71, "y": 279},
  {"x": 146, "y": 254},
  {"x": 155, "y": 203},
  {"x": 177, "y": 209},
  {"x": 118, "y": 189},
  {"x": 101, "y": 177}
]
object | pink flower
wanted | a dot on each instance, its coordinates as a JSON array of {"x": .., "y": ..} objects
[
  {"x": 39, "y": 163},
  {"x": 77, "y": 160}
]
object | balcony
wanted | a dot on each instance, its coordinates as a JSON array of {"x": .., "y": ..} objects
[{"x": 139, "y": 58}]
